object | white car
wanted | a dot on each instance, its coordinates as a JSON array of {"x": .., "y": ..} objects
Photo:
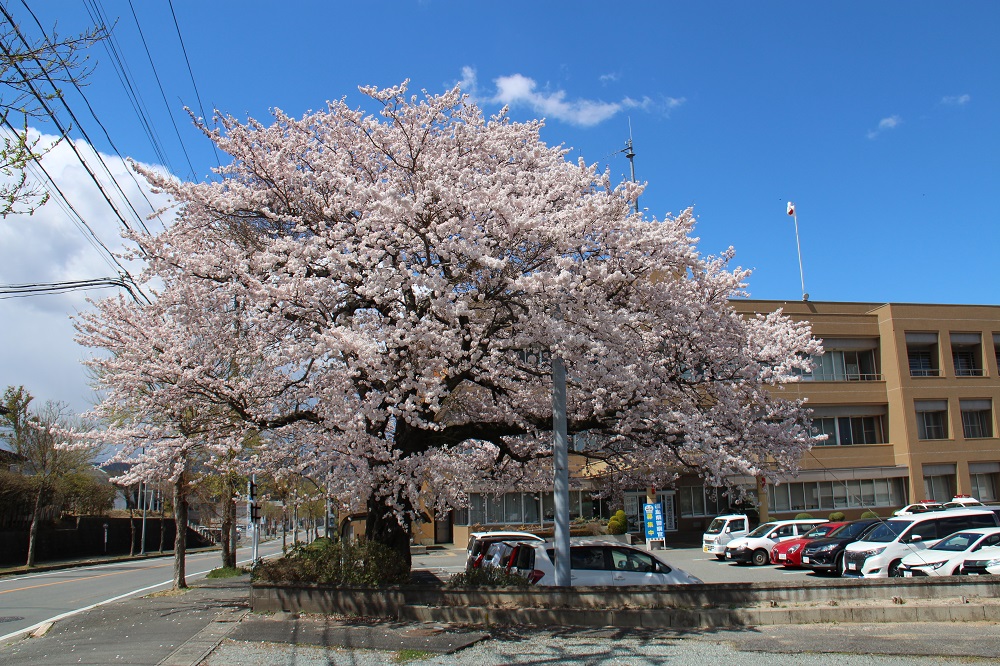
[
  {"x": 986, "y": 561},
  {"x": 755, "y": 548},
  {"x": 479, "y": 542},
  {"x": 918, "y": 508},
  {"x": 885, "y": 546},
  {"x": 597, "y": 563},
  {"x": 947, "y": 556}
]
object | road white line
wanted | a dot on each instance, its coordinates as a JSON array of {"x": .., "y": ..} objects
[{"x": 67, "y": 614}]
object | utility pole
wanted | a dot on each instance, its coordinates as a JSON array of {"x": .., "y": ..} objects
[{"x": 560, "y": 457}]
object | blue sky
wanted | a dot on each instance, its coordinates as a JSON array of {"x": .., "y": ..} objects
[{"x": 878, "y": 119}]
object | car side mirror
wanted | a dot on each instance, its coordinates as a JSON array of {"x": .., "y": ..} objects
[
  {"x": 728, "y": 530},
  {"x": 916, "y": 538}
]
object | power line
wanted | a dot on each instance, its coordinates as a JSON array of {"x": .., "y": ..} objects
[
  {"x": 93, "y": 114},
  {"x": 201, "y": 106},
  {"x": 125, "y": 78},
  {"x": 162, "y": 93}
]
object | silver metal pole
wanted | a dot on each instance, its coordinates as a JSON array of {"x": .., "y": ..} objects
[
  {"x": 143, "y": 489},
  {"x": 798, "y": 246},
  {"x": 560, "y": 459},
  {"x": 254, "y": 525}
]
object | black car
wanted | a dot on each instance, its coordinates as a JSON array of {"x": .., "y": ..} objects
[{"x": 827, "y": 554}]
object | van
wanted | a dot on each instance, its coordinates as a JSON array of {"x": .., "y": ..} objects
[
  {"x": 884, "y": 547},
  {"x": 722, "y": 530}
]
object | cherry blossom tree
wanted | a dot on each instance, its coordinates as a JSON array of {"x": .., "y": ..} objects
[{"x": 383, "y": 293}]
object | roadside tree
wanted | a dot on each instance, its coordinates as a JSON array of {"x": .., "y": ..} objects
[{"x": 393, "y": 287}]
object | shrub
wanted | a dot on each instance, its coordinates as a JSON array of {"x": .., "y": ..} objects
[
  {"x": 803, "y": 516},
  {"x": 869, "y": 514},
  {"x": 487, "y": 577},
  {"x": 357, "y": 563},
  {"x": 837, "y": 515},
  {"x": 618, "y": 523}
]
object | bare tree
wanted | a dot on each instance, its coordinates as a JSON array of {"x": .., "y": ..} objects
[{"x": 33, "y": 73}]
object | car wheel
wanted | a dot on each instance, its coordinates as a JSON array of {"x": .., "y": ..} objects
[
  {"x": 840, "y": 567},
  {"x": 760, "y": 557},
  {"x": 894, "y": 571}
]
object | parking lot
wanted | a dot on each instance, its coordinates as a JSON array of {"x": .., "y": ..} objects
[{"x": 451, "y": 560}]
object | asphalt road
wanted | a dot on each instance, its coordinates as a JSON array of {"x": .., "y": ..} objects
[{"x": 30, "y": 600}]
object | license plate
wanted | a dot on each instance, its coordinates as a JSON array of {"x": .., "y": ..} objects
[
  {"x": 782, "y": 556},
  {"x": 706, "y": 549},
  {"x": 907, "y": 574},
  {"x": 852, "y": 566},
  {"x": 729, "y": 556},
  {"x": 805, "y": 559}
]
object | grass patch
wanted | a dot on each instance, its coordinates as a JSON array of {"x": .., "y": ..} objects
[
  {"x": 409, "y": 654},
  {"x": 227, "y": 572},
  {"x": 168, "y": 593}
]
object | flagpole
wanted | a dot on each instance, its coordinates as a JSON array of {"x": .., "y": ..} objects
[{"x": 798, "y": 246}]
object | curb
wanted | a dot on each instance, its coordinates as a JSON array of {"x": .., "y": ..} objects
[
  {"x": 673, "y": 618},
  {"x": 197, "y": 648}
]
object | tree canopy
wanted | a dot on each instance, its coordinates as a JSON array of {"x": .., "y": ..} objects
[{"x": 379, "y": 296}]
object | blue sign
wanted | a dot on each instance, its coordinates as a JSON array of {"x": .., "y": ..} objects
[{"x": 653, "y": 518}]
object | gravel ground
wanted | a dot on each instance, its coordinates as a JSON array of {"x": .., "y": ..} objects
[{"x": 586, "y": 648}]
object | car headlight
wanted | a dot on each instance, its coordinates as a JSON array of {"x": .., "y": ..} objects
[
  {"x": 825, "y": 547},
  {"x": 938, "y": 565},
  {"x": 794, "y": 549},
  {"x": 993, "y": 563},
  {"x": 871, "y": 553}
]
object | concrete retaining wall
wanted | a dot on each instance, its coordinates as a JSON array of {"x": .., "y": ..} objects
[{"x": 707, "y": 605}]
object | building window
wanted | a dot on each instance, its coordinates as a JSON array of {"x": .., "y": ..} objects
[
  {"x": 967, "y": 354},
  {"x": 939, "y": 482},
  {"x": 985, "y": 479},
  {"x": 847, "y": 430},
  {"x": 922, "y": 353},
  {"x": 843, "y": 366},
  {"x": 977, "y": 418},
  {"x": 932, "y": 419},
  {"x": 829, "y": 495}
]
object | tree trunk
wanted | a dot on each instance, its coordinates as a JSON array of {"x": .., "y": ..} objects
[
  {"x": 227, "y": 540},
  {"x": 284, "y": 528},
  {"x": 383, "y": 527},
  {"x": 180, "y": 540},
  {"x": 33, "y": 530}
]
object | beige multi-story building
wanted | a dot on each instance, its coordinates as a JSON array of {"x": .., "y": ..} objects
[{"x": 905, "y": 394}]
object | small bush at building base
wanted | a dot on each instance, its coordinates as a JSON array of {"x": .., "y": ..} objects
[
  {"x": 356, "y": 563},
  {"x": 618, "y": 523},
  {"x": 803, "y": 516},
  {"x": 837, "y": 516},
  {"x": 869, "y": 514}
]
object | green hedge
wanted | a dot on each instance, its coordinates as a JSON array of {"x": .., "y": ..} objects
[{"x": 357, "y": 563}]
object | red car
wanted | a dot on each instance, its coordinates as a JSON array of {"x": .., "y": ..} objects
[{"x": 789, "y": 553}]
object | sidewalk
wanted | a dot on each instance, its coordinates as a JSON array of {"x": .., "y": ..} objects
[
  {"x": 181, "y": 629},
  {"x": 209, "y": 625}
]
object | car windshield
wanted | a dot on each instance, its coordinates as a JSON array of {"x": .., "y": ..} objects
[
  {"x": 957, "y": 542},
  {"x": 817, "y": 532},
  {"x": 716, "y": 526},
  {"x": 762, "y": 530},
  {"x": 888, "y": 531}
]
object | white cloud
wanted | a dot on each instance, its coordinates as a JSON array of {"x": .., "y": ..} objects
[
  {"x": 957, "y": 100},
  {"x": 608, "y": 78},
  {"x": 37, "y": 348},
  {"x": 517, "y": 90},
  {"x": 885, "y": 124}
]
